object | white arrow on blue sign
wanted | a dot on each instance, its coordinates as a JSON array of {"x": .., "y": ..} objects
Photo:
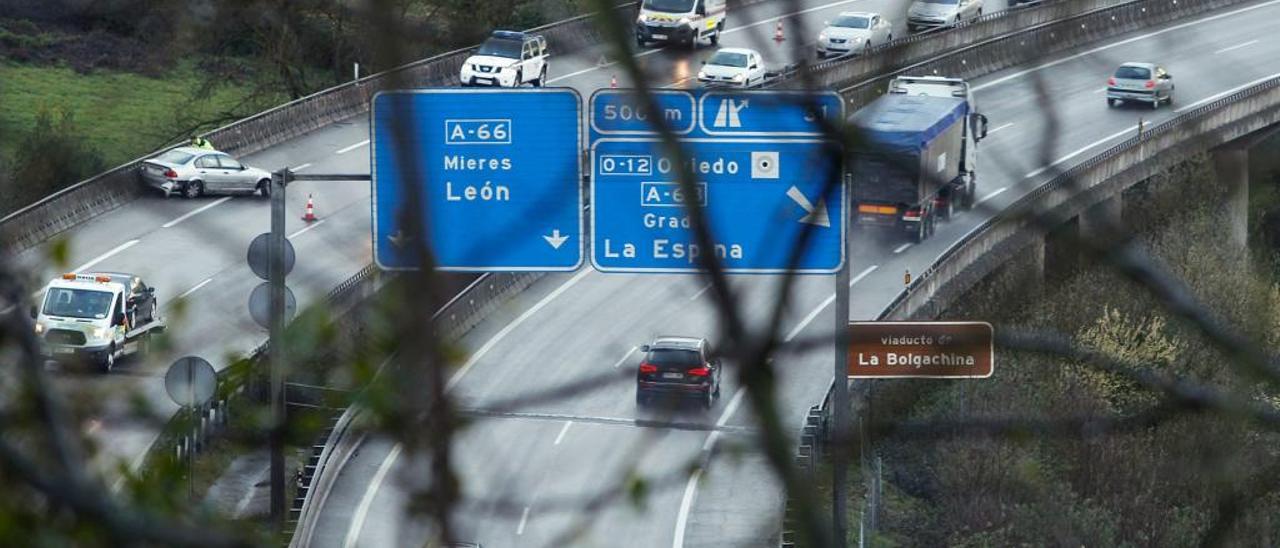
[
  {"x": 496, "y": 175},
  {"x": 764, "y": 174}
]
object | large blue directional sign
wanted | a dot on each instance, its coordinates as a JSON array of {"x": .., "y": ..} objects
[
  {"x": 495, "y": 173},
  {"x": 764, "y": 174}
]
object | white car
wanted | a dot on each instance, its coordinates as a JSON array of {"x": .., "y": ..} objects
[
  {"x": 737, "y": 67},
  {"x": 507, "y": 59},
  {"x": 941, "y": 13},
  {"x": 854, "y": 32}
]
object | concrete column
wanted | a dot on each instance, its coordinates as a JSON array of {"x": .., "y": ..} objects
[
  {"x": 1103, "y": 220},
  {"x": 1231, "y": 166},
  {"x": 1061, "y": 256}
]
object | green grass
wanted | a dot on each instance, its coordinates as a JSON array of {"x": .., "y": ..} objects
[{"x": 123, "y": 115}]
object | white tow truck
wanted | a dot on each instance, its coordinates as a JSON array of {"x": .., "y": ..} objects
[{"x": 96, "y": 319}]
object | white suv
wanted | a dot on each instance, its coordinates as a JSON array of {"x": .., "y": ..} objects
[{"x": 507, "y": 59}]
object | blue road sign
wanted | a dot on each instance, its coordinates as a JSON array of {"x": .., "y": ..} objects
[
  {"x": 496, "y": 174},
  {"x": 764, "y": 176}
]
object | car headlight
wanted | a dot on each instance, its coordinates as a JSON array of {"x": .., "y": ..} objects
[
  {"x": 643, "y": 18},
  {"x": 39, "y": 328},
  {"x": 686, "y": 21},
  {"x": 739, "y": 78},
  {"x": 702, "y": 75},
  {"x": 99, "y": 333},
  {"x": 822, "y": 37}
]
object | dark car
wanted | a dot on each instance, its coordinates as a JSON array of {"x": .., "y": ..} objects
[{"x": 678, "y": 366}]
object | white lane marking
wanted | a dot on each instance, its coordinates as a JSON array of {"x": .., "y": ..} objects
[
  {"x": 700, "y": 292},
  {"x": 563, "y": 431},
  {"x": 352, "y": 147},
  {"x": 1022, "y": 73},
  {"x": 1100, "y": 90},
  {"x": 625, "y": 356},
  {"x": 301, "y": 167},
  {"x": 105, "y": 256},
  {"x": 998, "y": 128},
  {"x": 524, "y": 518},
  {"x": 993, "y": 194},
  {"x": 1082, "y": 150},
  {"x": 901, "y": 248},
  {"x": 306, "y": 228},
  {"x": 814, "y": 314},
  {"x": 203, "y": 209},
  {"x": 682, "y": 519},
  {"x": 729, "y": 410},
  {"x": 729, "y": 31},
  {"x": 188, "y": 292},
  {"x": 488, "y": 345},
  {"x": 1217, "y": 96},
  {"x": 362, "y": 510},
  {"x": 1236, "y": 47}
]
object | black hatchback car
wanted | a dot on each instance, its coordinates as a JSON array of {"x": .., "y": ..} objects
[{"x": 679, "y": 366}]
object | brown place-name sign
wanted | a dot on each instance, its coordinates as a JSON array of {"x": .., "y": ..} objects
[{"x": 921, "y": 349}]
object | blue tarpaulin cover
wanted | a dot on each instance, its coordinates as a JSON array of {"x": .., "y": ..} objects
[{"x": 906, "y": 123}]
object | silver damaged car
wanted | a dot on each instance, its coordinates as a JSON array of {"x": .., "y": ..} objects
[{"x": 194, "y": 172}]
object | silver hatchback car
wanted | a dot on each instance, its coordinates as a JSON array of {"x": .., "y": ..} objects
[
  {"x": 194, "y": 172},
  {"x": 1140, "y": 82}
]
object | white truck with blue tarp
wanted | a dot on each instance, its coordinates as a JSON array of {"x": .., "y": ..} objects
[{"x": 915, "y": 161}]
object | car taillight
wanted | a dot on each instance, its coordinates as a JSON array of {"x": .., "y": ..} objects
[
  {"x": 171, "y": 174},
  {"x": 1150, "y": 84},
  {"x": 1111, "y": 81},
  {"x": 648, "y": 368},
  {"x": 699, "y": 372}
]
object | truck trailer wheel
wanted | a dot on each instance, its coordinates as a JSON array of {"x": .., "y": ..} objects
[
  {"x": 948, "y": 209},
  {"x": 968, "y": 197}
]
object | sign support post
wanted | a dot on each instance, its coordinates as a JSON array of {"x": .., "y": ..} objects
[
  {"x": 841, "y": 409},
  {"x": 279, "y": 181}
]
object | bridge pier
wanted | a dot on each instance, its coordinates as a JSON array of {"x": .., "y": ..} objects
[
  {"x": 1231, "y": 167},
  {"x": 1101, "y": 223}
]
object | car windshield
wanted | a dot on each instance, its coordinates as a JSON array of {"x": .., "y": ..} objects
[
  {"x": 77, "y": 303},
  {"x": 670, "y": 6},
  {"x": 852, "y": 22},
  {"x": 673, "y": 357},
  {"x": 1133, "y": 73},
  {"x": 728, "y": 59},
  {"x": 500, "y": 47},
  {"x": 176, "y": 157}
]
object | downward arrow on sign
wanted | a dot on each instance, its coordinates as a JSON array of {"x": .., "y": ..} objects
[
  {"x": 555, "y": 239},
  {"x": 816, "y": 215}
]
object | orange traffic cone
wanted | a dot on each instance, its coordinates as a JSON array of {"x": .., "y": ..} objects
[
  {"x": 310, "y": 214},
  {"x": 777, "y": 33},
  {"x": 613, "y": 82}
]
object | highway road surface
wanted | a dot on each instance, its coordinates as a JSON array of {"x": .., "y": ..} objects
[{"x": 585, "y": 322}]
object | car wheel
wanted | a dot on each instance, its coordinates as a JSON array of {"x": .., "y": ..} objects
[
  {"x": 542, "y": 78},
  {"x": 889, "y": 39},
  {"x": 709, "y": 401},
  {"x": 715, "y": 38},
  {"x": 919, "y": 234},
  {"x": 866, "y": 47},
  {"x": 1155, "y": 104},
  {"x": 193, "y": 189},
  {"x": 109, "y": 362},
  {"x": 264, "y": 188},
  {"x": 967, "y": 199},
  {"x": 640, "y": 43},
  {"x": 717, "y": 389}
]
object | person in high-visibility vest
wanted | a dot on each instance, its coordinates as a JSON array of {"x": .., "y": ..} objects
[{"x": 200, "y": 142}]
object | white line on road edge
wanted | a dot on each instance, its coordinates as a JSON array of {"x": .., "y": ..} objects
[
  {"x": 300, "y": 168},
  {"x": 1236, "y": 47},
  {"x": 729, "y": 31},
  {"x": 729, "y": 410},
  {"x": 352, "y": 147},
  {"x": 700, "y": 292},
  {"x": 1083, "y": 149},
  {"x": 682, "y": 519},
  {"x": 488, "y": 345},
  {"x": 814, "y": 314},
  {"x": 306, "y": 228},
  {"x": 362, "y": 510},
  {"x": 1217, "y": 96},
  {"x": 207, "y": 207},
  {"x": 564, "y": 430},
  {"x": 998, "y": 128},
  {"x": 995, "y": 193},
  {"x": 1100, "y": 90},
  {"x": 1022, "y": 73},
  {"x": 625, "y": 356},
  {"x": 524, "y": 518},
  {"x": 196, "y": 288},
  {"x": 901, "y": 248},
  {"x": 105, "y": 256}
]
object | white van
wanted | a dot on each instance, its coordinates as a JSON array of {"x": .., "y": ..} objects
[{"x": 680, "y": 21}]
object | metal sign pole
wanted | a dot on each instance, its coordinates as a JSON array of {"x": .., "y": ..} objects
[
  {"x": 840, "y": 401},
  {"x": 279, "y": 181}
]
